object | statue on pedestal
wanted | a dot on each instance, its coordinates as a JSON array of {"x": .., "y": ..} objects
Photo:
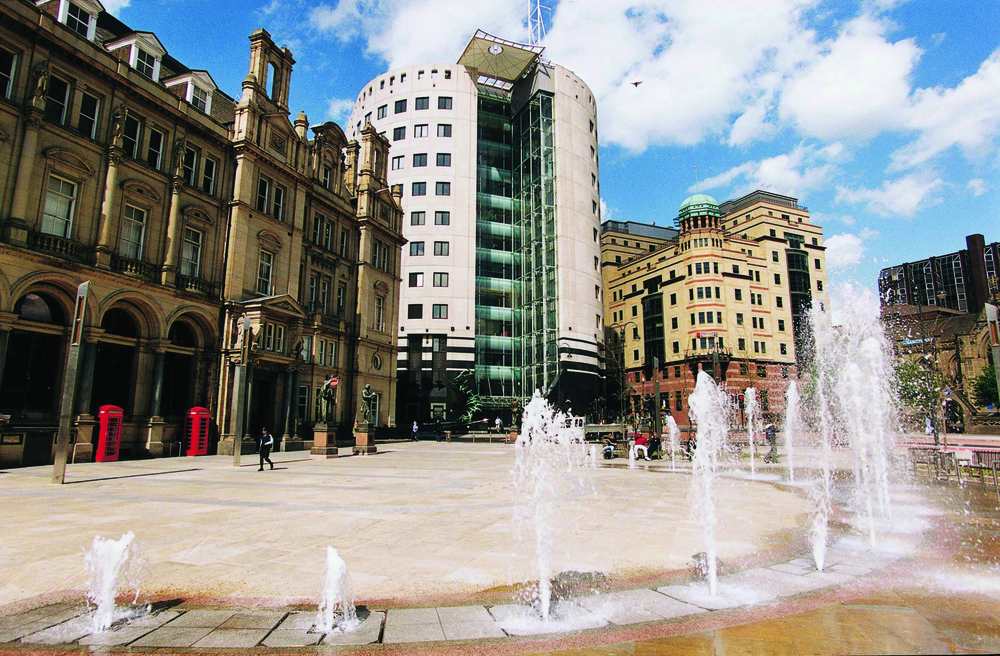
[
  {"x": 365, "y": 408},
  {"x": 328, "y": 398}
]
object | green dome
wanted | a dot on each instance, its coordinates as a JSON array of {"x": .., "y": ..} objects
[{"x": 699, "y": 205}]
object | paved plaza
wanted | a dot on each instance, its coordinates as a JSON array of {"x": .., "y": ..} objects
[{"x": 233, "y": 559}]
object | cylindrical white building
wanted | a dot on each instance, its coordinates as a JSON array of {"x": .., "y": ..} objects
[{"x": 501, "y": 282}]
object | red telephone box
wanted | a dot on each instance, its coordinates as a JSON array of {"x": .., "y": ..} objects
[
  {"x": 196, "y": 432},
  {"x": 109, "y": 439}
]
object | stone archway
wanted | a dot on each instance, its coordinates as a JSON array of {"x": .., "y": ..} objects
[{"x": 34, "y": 358}]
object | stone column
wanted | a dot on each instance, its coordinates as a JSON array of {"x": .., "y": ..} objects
[
  {"x": 168, "y": 275},
  {"x": 16, "y": 229},
  {"x": 84, "y": 422},
  {"x": 106, "y": 231},
  {"x": 155, "y": 424},
  {"x": 293, "y": 415},
  {"x": 4, "y": 336}
]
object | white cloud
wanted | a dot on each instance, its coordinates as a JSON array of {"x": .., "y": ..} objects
[
  {"x": 114, "y": 7},
  {"x": 977, "y": 186},
  {"x": 903, "y": 197},
  {"x": 844, "y": 250},
  {"x": 967, "y": 116},
  {"x": 868, "y": 233},
  {"x": 607, "y": 212},
  {"x": 794, "y": 173},
  {"x": 339, "y": 109},
  {"x": 857, "y": 88}
]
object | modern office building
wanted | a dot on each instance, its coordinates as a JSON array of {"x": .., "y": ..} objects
[
  {"x": 190, "y": 214},
  {"x": 501, "y": 282},
  {"x": 960, "y": 281},
  {"x": 725, "y": 292}
]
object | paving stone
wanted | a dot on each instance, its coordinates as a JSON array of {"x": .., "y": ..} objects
[
  {"x": 854, "y": 570},
  {"x": 232, "y": 638},
  {"x": 173, "y": 636},
  {"x": 468, "y": 623},
  {"x": 728, "y": 595},
  {"x": 203, "y": 618},
  {"x": 788, "y": 568},
  {"x": 516, "y": 619},
  {"x": 367, "y": 633},
  {"x": 298, "y": 621},
  {"x": 267, "y": 620},
  {"x": 62, "y": 633},
  {"x": 130, "y": 631},
  {"x": 396, "y": 632},
  {"x": 291, "y": 638},
  {"x": 413, "y": 615}
]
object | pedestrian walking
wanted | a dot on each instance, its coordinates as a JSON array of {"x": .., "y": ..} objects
[
  {"x": 772, "y": 439},
  {"x": 499, "y": 423},
  {"x": 266, "y": 442},
  {"x": 415, "y": 429},
  {"x": 437, "y": 431}
]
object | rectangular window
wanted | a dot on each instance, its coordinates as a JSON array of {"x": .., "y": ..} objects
[
  {"x": 154, "y": 149},
  {"x": 327, "y": 177},
  {"x": 345, "y": 242},
  {"x": 444, "y": 129},
  {"x": 441, "y": 248},
  {"x": 265, "y": 269},
  {"x": 774, "y": 256},
  {"x": 77, "y": 19},
  {"x": 145, "y": 63},
  {"x": 269, "y": 337},
  {"x": 398, "y": 134},
  {"x": 439, "y": 311},
  {"x": 816, "y": 262},
  {"x": 190, "y": 165},
  {"x": 87, "y": 121},
  {"x": 440, "y": 279},
  {"x": 777, "y": 279},
  {"x": 416, "y": 280},
  {"x": 397, "y": 162},
  {"x": 673, "y": 323},
  {"x": 331, "y": 354},
  {"x": 739, "y": 294},
  {"x": 199, "y": 98},
  {"x": 417, "y": 218},
  {"x": 191, "y": 253},
  {"x": 380, "y": 313},
  {"x": 381, "y": 111},
  {"x": 701, "y": 293},
  {"x": 419, "y": 159},
  {"x": 400, "y": 106},
  {"x": 327, "y": 236},
  {"x": 444, "y": 159},
  {"x": 419, "y": 189},
  {"x": 341, "y": 297},
  {"x": 781, "y": 325},
  {"x": 320, "y": 351},
  {"x": 306, "y": 351},
  {"x": 324, "y": 294},
  {"x": 209, "y": 169},
  {"x": 263, "y": 194},
  {"x": 442, "y": 218},
  {"x": 133, "y": 229},
  {"x": 279, "y": 339},
  {"x": 57, "y": 100},
  {"x": 442, "y": 189},
  {"x": 783, "y": 348},
  {"x": 762, "y": 373},
  {"x": 741, "y": 345},
  {"x": 778, "y": 301},
  {"x": 673, "y": 299},
  {"x": 419, "y": 131},
  {"x": 444, "y": 102},
  {"x": 423, "y": 102},
  {"x": 416, "y": 248},
  {"x": 739, "y": 318},
  {"x": 414, "y": 311},
  {"x": 278, "y": 207},
  {"x": 7, "y": 62},
  {"x": 819, "y": 285},
  {"x": 60, "y": 201}
]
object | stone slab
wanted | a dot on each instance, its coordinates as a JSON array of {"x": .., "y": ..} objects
[
  {"x": 267, "y": 620},
  {"x": 173, "y": 636},
  {"x": 468, "y": 623},
  {"x": 203, "y": 618},
  {"x": 788, "y": 568},
  {"x": 854, "y": 570},
  {"x": 728, "y": 595},
  {"x": 298, "y": 621},
  {"x": 62, "y": 633},
  {"x": 367, "y": 633},
  {"x": 400, "y": 633},
  {"x": 516, "y": 619},
  {"x": 291, "y": 638},
  {"x": 130, "y": 631},
  {"x": 232, "y": 639},
  {"x": 412, "y": 616}
]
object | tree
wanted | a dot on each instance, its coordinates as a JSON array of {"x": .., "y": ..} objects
[
  {"x": 918, "y": 386},
  {"x": 984, "y": 388}
]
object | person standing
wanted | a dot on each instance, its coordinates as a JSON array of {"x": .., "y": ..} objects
[
  {"x": 266, "y": 442},
  {"x": 415, "y": 429},
  {"x": 772, "y": 439},
  {"x": 499, "y": 424}
]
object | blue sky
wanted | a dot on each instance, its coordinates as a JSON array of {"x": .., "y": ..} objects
[{"x": 881, "y": 116}]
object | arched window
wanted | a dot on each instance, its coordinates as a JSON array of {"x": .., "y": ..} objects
[
  {"x": 119, "y": 322},
  {"x": 40, "y": 309},
  {"x": 181, "y": 335}
]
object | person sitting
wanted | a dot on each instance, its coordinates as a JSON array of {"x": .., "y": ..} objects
[
  {"x": 640, "y": 443},
  {"x": 608, "y": 449}
]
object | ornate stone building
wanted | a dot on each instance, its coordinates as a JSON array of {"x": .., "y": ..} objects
[{"x": 184, "y": 209}]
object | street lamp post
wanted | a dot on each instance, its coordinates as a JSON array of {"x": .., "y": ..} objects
[{"x": 626, "y": 386}]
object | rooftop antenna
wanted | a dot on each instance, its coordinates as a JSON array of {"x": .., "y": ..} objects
[{"x": 536, "y": 25}]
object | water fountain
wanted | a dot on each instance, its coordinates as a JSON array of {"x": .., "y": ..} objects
[
  {"x": 550, "y": 462},
  {"x": 109, "y": 564},
  {"x": 793, "y": 425},
  {"x": 674, "y": 435},
  {"x": 336, "y": 603},
  {"x": 708, "y": 410},
  {"x": 753, "y": 426}
]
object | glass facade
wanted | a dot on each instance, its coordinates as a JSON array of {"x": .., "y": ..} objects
[{"x": 497, "y": 254}]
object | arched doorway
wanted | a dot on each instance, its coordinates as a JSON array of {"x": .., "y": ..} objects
[
  {"x": 35, "y": 354},
  {"x": 114, "y": 366},
  {"x": 179, "y": 369}
]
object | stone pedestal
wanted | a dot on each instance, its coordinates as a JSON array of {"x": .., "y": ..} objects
[
  {"x": 154, "y": 439},
  {"x": 83, "y": 452},
  {"x": 364, "y": 440},
  {"x": 247, "y": 447},
  {"x": 512, "y": 436},
  {"x": 324, "y": 441},
  {"x": 293, "y": 444}
]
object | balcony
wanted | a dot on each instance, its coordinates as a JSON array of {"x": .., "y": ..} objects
[
  {"x": 132, "y": 268},
  {"x": 194, "y": 285},
  {"x": 53, "y": 245}
]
